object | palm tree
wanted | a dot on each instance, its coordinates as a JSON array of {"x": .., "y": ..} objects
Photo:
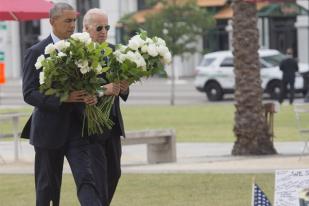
[{"x": 251, "y": 129}]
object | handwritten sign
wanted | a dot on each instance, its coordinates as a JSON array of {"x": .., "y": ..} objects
[{"x": 292, "y": 187}]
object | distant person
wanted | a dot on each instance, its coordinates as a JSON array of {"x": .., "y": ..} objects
[{"x": 289, "y": 67}]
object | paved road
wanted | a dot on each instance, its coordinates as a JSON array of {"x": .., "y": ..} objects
[
  {"x": 150, "y": 92},
  {"x": 153, "y": 91}
]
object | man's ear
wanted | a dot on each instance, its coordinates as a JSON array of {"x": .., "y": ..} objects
[
  {"x": 85, "y": 29},
  {"x": 51, "y": 21}
]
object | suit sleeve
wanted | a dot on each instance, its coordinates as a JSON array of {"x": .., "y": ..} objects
[
  {"x": 31, "y": 84},
  {"x": 125, "y": 96}
]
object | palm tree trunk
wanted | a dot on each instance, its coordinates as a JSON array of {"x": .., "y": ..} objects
[{"x": 251, "y": 129}]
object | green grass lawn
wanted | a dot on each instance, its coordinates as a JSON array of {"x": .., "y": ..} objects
[
  {"x": 198, "y": 123},
  {"x": 203, "y": 123},
  {"x": 152, "y": 190}
]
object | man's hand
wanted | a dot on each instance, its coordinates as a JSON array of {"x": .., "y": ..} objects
[
  {"x": 112, "y": 89},
  {"x": 90, "y": 100},
  {"x": 124, "y": 86},
  {"x": 77, "y": 96}
]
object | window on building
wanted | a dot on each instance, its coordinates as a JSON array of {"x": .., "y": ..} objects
[
  {"x": 82, "y": 7},
  {"x": 217, "y": 39}
]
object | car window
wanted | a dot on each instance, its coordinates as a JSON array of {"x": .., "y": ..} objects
[
  {"x": 264, "y": 64},
  {"x": 274, "y": 60},
  {"x": 227, "y": 62},
  {"x": 207, "y": 61}
]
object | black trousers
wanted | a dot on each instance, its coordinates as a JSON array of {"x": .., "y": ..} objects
[
  {"x": 284, "y": 90},
  {"x": 106, "y": 156},
  {"x": 48, "y": 173}
]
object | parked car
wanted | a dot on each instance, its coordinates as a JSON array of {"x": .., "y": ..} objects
[{"x": 215, "y": 74}]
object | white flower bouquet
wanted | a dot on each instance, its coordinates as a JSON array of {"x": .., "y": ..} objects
[
  {"x": 74, "y": 65},
  {"x": 142, "y": 57}
]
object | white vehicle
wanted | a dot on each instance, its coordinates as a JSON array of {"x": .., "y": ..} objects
[{"x": 215, "y": 74}]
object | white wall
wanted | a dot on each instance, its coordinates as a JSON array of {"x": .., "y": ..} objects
[
  {"x": 302, "y": 25},
  {"x": 115, "y": 10},
  {"x": 302, "y": 36}
]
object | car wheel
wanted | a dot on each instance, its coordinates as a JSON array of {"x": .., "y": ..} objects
[
  {"x": 213, "y": 91},
  {"x": 274, "y": 90}
]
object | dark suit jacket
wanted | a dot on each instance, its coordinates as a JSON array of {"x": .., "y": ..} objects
[
  {"x": 116, "y": 112},
  {"x": 50, "y": 123},
  {"x": 289, "y": 67}
]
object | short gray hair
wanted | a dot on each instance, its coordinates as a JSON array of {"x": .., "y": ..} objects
[
  {"x": 58, "y": 9},
  {"x": 89, "y": 15}
]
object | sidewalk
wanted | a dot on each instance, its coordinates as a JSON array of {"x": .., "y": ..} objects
[{"x": 191, "y": 158}]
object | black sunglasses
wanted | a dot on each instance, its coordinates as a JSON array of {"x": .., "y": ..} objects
[{"x": 106, "y": 27}]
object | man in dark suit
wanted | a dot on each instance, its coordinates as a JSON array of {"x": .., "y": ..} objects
[
  {"x": 106, "y": 148},
  {"x": 54, "y": 127},
  {"x": 289, "y": 67}
]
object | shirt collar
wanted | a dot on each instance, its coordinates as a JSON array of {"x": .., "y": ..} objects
[{"x": 54, "y": 37}]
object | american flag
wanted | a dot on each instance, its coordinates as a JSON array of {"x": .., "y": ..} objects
[{"x": 259, "y": 198}]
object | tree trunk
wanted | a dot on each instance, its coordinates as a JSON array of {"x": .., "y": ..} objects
[{"x": 251, "y": 129}]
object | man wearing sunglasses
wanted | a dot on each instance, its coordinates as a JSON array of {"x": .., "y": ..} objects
[{"x": 106, "y": 148}]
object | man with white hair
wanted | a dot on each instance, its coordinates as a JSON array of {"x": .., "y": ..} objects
[{"x": 106, "y": 148}]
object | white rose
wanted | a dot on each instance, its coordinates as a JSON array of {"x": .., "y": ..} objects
[
  {"x": 67, "y": 44},
  {"x": 60, "y": 45},
  {"x": 141, "y": 63},
  {"x": 75, "y": 36},
  {"x": 133, "y": 44},
  {"x": 130, "y": 56},
  {"x": 85, "y": 37},
  {"x": 149, "y": 41},
  {"x": 162, "y": 50},
  {"x": 42, "y": 78},
  {"x": 144, "y": 48},
  {"x": 38, "y": 63},
  {"x": 152, "y": 50},
  {"x": 167, "y": 58},
  {"x": 140, "y": 40},
  {"x": 121, "y": 58},
  {"x": 81, "y": 63},
  {"x": 82, "y": 37},
  {"x": 99, "y": 69},
  {"x": 160, "y": 42},
  {"x": 139, "y": 60},
  {"x": 117, "y": 53},
  {"x": 122, "y": 48},
  {"x": 84, "y": 70},
  {"x": 50, "y": 48},
  {"x": 61, "y": 54}
]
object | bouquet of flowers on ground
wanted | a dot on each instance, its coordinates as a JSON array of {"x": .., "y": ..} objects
[
  {"x": 142, "y": 57},
  {"x": 72, "y": 65}
]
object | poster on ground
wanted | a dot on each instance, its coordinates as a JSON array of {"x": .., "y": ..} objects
[{"x": 292, "y": 187}]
